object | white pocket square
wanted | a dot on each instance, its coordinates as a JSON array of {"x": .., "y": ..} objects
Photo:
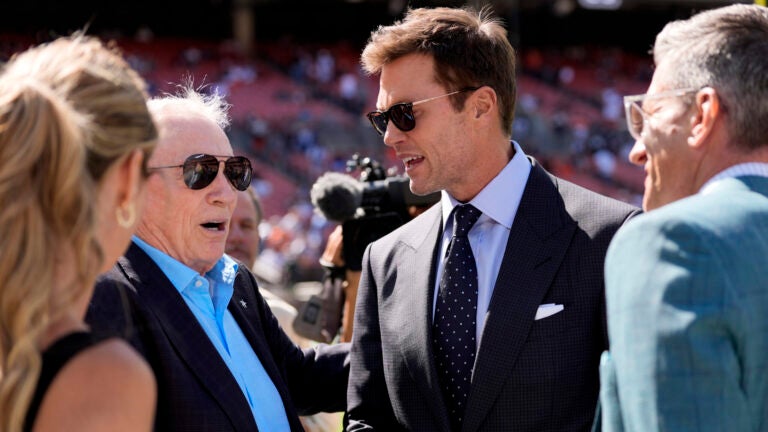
[{"x": 547, "y": 310}]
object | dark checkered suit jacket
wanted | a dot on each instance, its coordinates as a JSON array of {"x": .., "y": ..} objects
[
  {"x": 196, "y": 391},
  {"x": 530, "y": 375}
]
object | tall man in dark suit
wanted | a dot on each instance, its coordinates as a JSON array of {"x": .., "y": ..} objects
[
  {"x": 512, "y": 341},
  {"x": 221, "y": 360}
]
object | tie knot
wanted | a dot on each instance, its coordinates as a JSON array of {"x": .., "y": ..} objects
[{"x": 464, "y": 217}]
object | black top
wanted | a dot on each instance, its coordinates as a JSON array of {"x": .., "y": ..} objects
[{"x": 54, "y": 358}]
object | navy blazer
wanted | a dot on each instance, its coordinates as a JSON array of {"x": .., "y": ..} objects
[
  {"x": 196, "y": 391},
  {"x": 529, "y": 375}
]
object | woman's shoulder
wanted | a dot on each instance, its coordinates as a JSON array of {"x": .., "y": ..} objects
[
  {"x": 114, "y": 358},
  {"x": 105, "y": 386}
]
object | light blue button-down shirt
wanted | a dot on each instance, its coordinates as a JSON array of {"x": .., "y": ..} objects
[
  {"x": 498, "y": 201},
  {"x": 207, "y": 297}
]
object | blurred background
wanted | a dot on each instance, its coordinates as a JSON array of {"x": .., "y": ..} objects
[{"x": 290, "y": 70}]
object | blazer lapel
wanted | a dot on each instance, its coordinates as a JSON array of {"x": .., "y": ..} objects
[
  {"x": 187, "y": 336},
  {"x": 537, "y": 243},
  {"x": 416, "y": 286}
]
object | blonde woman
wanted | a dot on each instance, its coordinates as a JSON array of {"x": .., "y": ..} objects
[{"x": 74, "y": 137}]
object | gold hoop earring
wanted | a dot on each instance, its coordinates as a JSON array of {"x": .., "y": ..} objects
[{"x": 126, "y": 215}]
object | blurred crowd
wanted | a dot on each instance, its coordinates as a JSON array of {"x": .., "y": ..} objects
[{"x": 298, "y": 112}]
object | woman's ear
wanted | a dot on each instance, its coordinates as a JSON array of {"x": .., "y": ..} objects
[
  {"x": 120, "y": 193},
  {"x": 130, "y": 179},
  {"x": 133, "y": 172},
  {"x": 708, "y": 109}
]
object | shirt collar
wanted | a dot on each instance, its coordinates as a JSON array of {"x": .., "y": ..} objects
[
  {"x": 499, "y": 199},
  {"x": 745, "y": 169},
  {"x": 180, "y": 275}
]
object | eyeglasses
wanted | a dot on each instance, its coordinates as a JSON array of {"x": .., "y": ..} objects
[
  {"x": 637, "y": 117},
  {"x": 401, "y": 114},
  {"x": 201, "y": 169}
]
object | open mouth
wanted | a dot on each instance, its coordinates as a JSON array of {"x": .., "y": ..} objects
[
  {"x": 413, "y": 160},
  {"x": 214, "y": 226}
]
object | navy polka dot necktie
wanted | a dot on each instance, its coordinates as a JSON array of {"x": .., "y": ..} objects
[{"x": 453, "y": 333}]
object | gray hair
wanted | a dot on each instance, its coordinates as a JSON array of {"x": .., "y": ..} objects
[
  {"x": 212, "y": 106},
  {"x": 726, "y": 49}
]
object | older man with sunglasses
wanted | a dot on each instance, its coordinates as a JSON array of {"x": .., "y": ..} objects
[
  {"x": 687, "y": 282},
  {"x": 221, "y": 360}
]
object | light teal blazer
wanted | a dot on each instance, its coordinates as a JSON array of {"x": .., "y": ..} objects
[{"x": 687, "y": 306}]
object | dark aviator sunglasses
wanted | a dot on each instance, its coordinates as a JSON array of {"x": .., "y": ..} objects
[
  {"x": 401, "y": 114},
  {"x": 201, "y": 169}
]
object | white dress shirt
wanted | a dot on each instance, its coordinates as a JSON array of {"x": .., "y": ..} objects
[
  {"x": 498, "y": 201},
  {"x": 740, "y": 170}
]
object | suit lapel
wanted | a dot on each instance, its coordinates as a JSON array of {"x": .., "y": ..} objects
[
  {"x": 187, "y": 336},
  {"x": 538, "y": 240},
  {"x": 416, "y": 287}
]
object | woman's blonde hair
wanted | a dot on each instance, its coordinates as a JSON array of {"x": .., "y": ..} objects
[{"x": 69, "y": 110}]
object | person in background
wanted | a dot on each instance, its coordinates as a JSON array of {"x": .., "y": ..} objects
[
  {"x": 335, "y": 267},
  {"x": 244, "y": 241},
  {"x": 243, "y": 244},
  {"x": 221, "y": 360},
  {"x": 686, "y": 283},
  {"x": 75, "y": 134},
  {"x": 506, "y": 333}
]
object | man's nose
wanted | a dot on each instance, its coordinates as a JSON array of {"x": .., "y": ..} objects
[
  {"x": 392, "y": 135},
  {"x": 637, "y": 155},
  {"x": 221, "y": 190}
]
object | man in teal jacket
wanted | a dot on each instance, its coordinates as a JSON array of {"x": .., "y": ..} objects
[{"x": 687, "y": 282}]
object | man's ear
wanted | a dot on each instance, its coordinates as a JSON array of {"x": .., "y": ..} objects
[
  {"x": 484, "y": 101},
  {"x": 708, "y": 110}
]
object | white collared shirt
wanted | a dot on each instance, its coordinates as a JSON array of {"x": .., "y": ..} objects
[
  {"x": 744, "y": 169},
  {"x": 498, "y": 201}
]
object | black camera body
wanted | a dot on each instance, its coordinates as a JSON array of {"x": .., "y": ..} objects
[
  {"x": 368, "y": 207},
  {"x": 383, "y": 208}
]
